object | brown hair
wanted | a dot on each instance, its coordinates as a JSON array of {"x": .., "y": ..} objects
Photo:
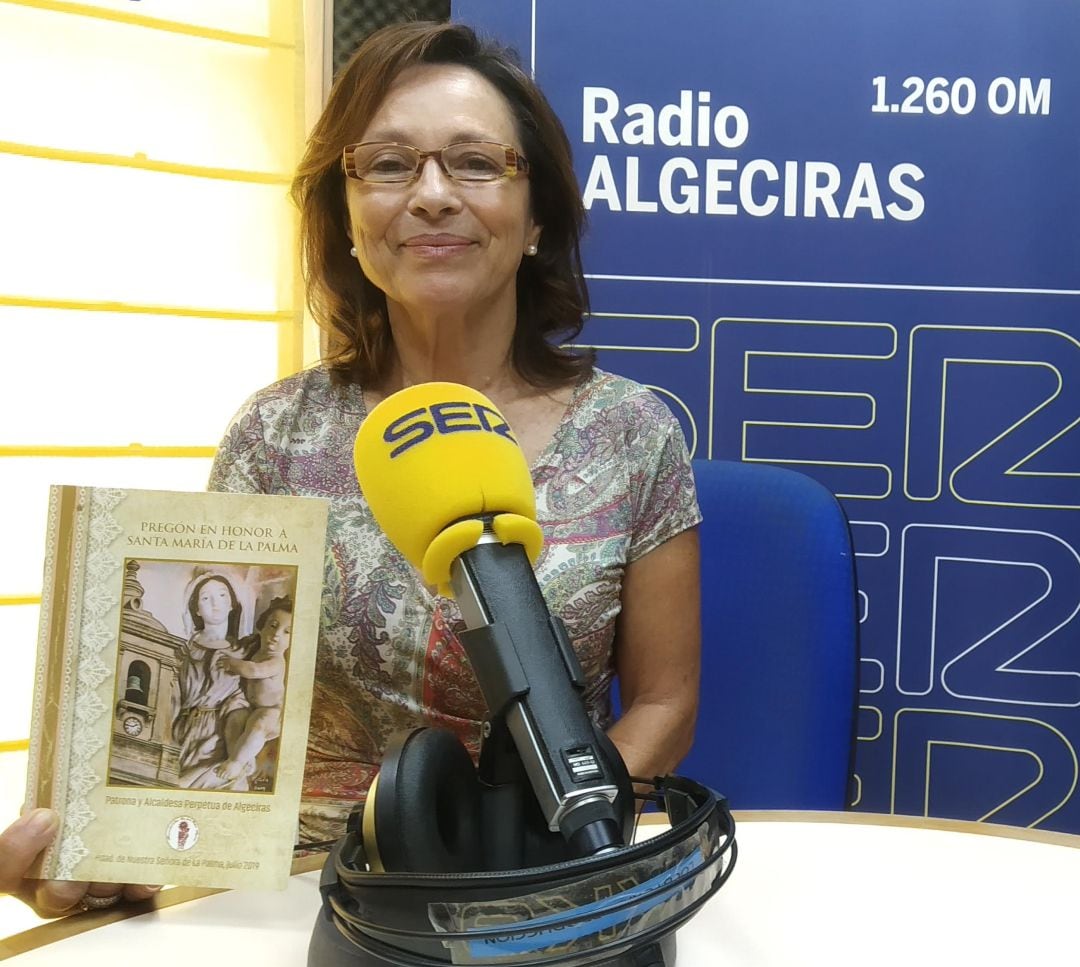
[{"x": 552, "y": 300}]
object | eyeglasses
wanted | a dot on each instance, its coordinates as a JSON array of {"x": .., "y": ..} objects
[{"x": 388, "y": 163}]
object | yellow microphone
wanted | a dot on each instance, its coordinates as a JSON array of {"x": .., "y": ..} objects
[
  {"x": 434, "y": 459},
  {"x": 449, "y": 485}
]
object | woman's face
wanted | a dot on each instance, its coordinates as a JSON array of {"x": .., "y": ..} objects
[
  {"x": 436, "y": 243},
  {"x": 214, "y": 602}
]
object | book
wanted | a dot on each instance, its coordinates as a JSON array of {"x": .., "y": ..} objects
[{"x": 172, "y": 693}]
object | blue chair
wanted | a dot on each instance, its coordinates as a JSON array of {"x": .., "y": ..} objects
[{"x": 776, "y": 725}]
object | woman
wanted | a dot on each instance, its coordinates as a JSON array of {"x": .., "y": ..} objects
[
  {"x": 445, "y": 247},
  {"x": 440, "y": 222}
]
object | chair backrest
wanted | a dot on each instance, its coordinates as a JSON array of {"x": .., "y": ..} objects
[{"x": 776, "y": 723}]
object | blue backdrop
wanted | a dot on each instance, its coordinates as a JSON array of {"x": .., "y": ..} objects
[{"x": 845, "y": 237}]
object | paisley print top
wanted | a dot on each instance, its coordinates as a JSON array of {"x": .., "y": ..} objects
[{"x": 613, "y": 483}]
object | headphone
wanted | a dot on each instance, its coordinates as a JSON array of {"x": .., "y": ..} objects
[{"x": 441, "y": 866}]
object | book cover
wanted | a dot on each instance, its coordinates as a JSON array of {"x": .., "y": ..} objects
[{"x": 176, "y": 653}]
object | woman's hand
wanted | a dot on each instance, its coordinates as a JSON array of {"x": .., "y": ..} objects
[{"x": 20, "y": 845}]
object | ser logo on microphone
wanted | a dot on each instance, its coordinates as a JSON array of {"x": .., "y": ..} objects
[{"x": 418, "y": 425}]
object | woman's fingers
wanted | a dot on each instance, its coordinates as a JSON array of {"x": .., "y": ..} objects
[
  {"x": 20, "y": 844},
  {"x": 54, "y": 898},
  {"x": 136, "y": 892}
]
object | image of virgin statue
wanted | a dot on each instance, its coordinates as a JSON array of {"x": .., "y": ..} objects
[{"x": 208, "y": 694}]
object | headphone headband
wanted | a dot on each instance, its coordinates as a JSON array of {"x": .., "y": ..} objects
[{"x": 603, "y": 905}]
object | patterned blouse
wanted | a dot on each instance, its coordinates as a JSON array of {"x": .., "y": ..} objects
[{"x": 613, "y": 483}]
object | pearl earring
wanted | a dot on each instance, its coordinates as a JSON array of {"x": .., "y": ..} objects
[
  {"x": 352, "y": 251},
  {"x": 530, "y": 249}
]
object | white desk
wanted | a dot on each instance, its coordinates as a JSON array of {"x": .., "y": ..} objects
[{"x": 808, "y": 889}]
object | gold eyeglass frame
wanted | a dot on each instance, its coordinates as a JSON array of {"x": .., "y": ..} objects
[{"x": 516, "y": 163}]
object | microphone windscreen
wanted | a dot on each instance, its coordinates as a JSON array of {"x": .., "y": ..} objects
[{"x": 434, "y": 453}]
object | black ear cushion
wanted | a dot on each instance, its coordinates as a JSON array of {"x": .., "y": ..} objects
[{"x": 427, "y": 806}]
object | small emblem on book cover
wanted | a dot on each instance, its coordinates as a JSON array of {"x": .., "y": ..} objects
[{"x": 183, "y": 833}]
